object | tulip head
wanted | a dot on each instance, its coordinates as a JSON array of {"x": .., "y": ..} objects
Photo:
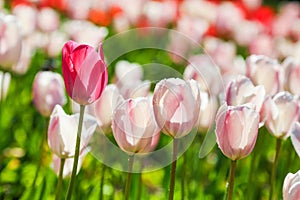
[
  {"x": 291, "y": 186},
  {"x": 236, "y": 130},
  {"x": 176, "y": 106},
  {"x": 84, "y": 72},
  {"x": 134, "y": 126}
]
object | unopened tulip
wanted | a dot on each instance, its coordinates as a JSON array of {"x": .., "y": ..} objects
[
  {"x": 5, "y": 80},
  {"x": 265, "y": 71},
  {"x": 48, "y": 90},
  {"x": 208, "y": 109},
  {"x": 84, "y": 72},
  {"x": 134, "y": 126},
  {"x": 105, "y": 106},
  {"x": 292, "y": 75},
  {"x": 291, "y": 186},
  {"x": 176, "y": 106},
  {"x": 279, "y": 113},
  {"x": 295, "y": 137},
  {"x": 241, "y": 91},
  {"x": 62, "y": 132},
  {"x": 27, "y": 16},
  {"x": 10, "y": 41},
  {"x": 236, "y": 130},
  {"x": 48, "y": 20}
]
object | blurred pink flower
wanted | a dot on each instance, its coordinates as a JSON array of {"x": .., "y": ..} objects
[
  {"x": 292, "y": 75},
  {"x": 6, "y": 82},
  {"x": 295, "y": 136},
  {"x": 236, "y": 130},
  {"x": 10, "y": 41},
  {"x": 134, "y": 126},
  {"x": 241, "y": 91},
  {"x": 56, "y": 41},
  {"x": 104, "y": 107},
  {"x": 27, "y": 17},
  {"x": 62, "y": 132},
  {"x": 291, "y": 186},
  {"x": 176, "y": 106},
  {"x": 263, "y": 44},
  {"x": 48, "y": 90},
  {"x": 279, "y": 114},
  {"x": 265, "y": 71},
  {"x": 48, "y": 20},
  {"x": 84, "y": 72}
]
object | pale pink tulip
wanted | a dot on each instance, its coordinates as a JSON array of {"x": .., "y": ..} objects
[
  {"x": 291, "y": 186},
  {"x": 246, "y": 32},
  {"x": 236, "y": 130},
  {"x": 48, "y": 90},
  {"x": 105, "y": 106},
  {"x": 56, "y": 41},
  {"x": 134, "y": 126},
  {"x": 292, "y": 75},
  {"x": 295, "y": 137},
  {"x": 241, "y": 91},
  {"x": 84, "y": 72},
  {"x": 263, "y": 44},
  {"x": 5, "y": 80},
  {"x": 48, "y": 20},
  {"x": 68, "y": 166},
  {"x": 62, "y": 132},
  {"x": 27, "y": 17},
  {"x": 10, "y": 41},
  {"x": 265, "y": 71},
  {"x": 252, "y": 4},
  {"x": 176, "y": 106},
  {"x": 279, "y": 114}
]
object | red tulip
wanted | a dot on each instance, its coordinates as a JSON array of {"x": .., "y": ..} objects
[
  {"x": 176, "y": 106},
  {"x": 236, "y": 130},
  {"x": 84, "y": 72}
]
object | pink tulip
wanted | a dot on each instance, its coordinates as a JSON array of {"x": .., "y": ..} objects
[
  {"x": 48, "y": 20},
  {"x": 236, "y": 130},
  {"x": 176, "y": 106},
  {"x": 265, "y": 71},
  {"x": 105, "y": 106},
  {"x": 279, "y": 113},
  {"x": 292, "y": 75},
  {"x": 263, "y": 44},
  {"x": 68, "y": 166},
  {"x": 5, "y": 80},
  {"x": 62, "y": 132},
  {"x": 56, "y": 41},
  {"x": 10, "y": 41},
  {"x": 134, "y": 126},
  {"x": 291, "y": 186},
  {"x": 84, "y": 72},
  {"x": 27, "y": 16},
  {"x": 241, "y": 91},
  {"x": 48, "y": 90},
  {"x": 295, "y": 137}
]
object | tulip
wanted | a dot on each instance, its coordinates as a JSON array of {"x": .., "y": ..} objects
[
  {"x": 134, "y": 126},
  {"x": 48, "y": 20},
  {"x": 257, "y": 68},
  {"x": 295, "y": 137},
  {"x": 104, "y": 107},
  {"x": 62, "y": 132},
  {"x": 4, "y": 84},
  {"x": 128, "y": 71},
  {"x": 236, "y": 130},
  {"x": 84, "y": 72},
  {"x": 48, "y": 90},
  {"x": 292, "y": 75},
  {"x": 10, "y": 41},
  {"x": 241, "y": 91},
  {"x": 27, "y": 16},
  {"x": 291, "y": 186},
  {"x": 280, "y": 112},
  {"x": 176, "y": 106}
]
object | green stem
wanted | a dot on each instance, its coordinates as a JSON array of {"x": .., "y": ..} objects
[
  {"x": 230, "y": 185},
  {"x": 60, "y": 178},
  {"x": 274, "y": 168},
  {"x": 76, "y": 157},
  {"x": 183, "y": 177},
  {"x": 173, "y": 170},
  {"x": 140, "y": 187},
  {"x": 102, "y": 181},
  {"x": 129, "y": 175}
]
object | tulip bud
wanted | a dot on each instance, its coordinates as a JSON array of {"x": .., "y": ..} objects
[
  {"x": 84, "y": 72},
  {"x": 291, "y": 186},
  {"x": 242, "y": 91},
  {"x": 48, "y": 90},
  {"x": 236, "y": 130},
  {"x": 279, "y": 113},
  {"x": 134, "y": 126},
  {"x": 176, "y": 106},
  {"x": 62, "y": 132}
]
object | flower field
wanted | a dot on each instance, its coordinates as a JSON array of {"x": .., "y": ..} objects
[{"x": 149, "y": 99}]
